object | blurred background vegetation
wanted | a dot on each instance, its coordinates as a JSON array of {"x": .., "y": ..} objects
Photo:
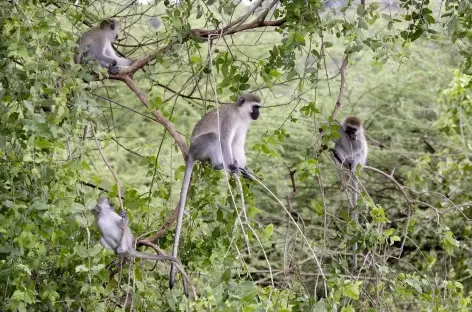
[{"x": 408, "y": 78}]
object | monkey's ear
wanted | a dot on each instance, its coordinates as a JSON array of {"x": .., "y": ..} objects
[{"x": 241, "y": 101}]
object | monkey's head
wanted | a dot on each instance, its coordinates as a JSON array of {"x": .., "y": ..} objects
[
  {"x": 112, "y": 27},
  {"x": 249, "y": 104},
  {"x": 102, "y": 204},
  {"x": 352, "y": 127}
]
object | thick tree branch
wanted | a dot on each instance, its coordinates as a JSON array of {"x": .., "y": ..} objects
[{"x": 159, "y": 118}]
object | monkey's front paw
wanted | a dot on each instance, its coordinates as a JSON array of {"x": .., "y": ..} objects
[
  {"x": 123, "y": 214},
  {"x": 120, "y": 250},
  {"x": 113, "y": 70},
  {"x": 233, "y": 168}
]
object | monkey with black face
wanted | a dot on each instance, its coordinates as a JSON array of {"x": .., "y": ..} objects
[
  {"x": 96, "y": 43},
  {"x": 351, "y": 147},
  {"x": 219, "y": 138}
]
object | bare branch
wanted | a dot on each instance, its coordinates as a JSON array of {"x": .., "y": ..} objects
[
  {"x": 159, "y": 118},
  {"x": 342, "y": 70}
]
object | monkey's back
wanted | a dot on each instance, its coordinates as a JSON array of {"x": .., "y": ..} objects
[
  {"x": 111, "y": 227},
  {"x": 206, "y": 124}
]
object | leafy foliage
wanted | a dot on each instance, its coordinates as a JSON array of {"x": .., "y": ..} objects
[{"x": 405, "y": 79}]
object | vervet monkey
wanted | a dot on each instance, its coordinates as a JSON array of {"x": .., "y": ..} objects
[
  {"x": 350, "y": 148},
  {"x": 220, "y": 140},
  {"x": 97, "y": 43},
  {"x": 110, "y": 225}
]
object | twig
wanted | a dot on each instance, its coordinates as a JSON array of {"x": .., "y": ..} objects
[
  {"x": 160, "y": 233},
  {"x": 95, "y": 186},
  {"x": 115, "y": 177},
  {"x": 243, "y": 208},
  {"x": 296, "y": 225},
  {"x": 159, "y": 118},
  {"x": 408, "y": 201},
  {"x": 177, "y": 265},
  {"x": 342, "y": 70}
]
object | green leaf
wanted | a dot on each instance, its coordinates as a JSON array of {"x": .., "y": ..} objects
[
  {"x": 389, "y": 232},
  {"x": 317, "y": 206},
  {"x": 244, "y": 86},
  {"x": 327, "y": 44},
  {"x": 348, "y": 308},
  {"x": 81, "y": 268},
  {"x": 299, "y": 38},
  {"x": 416, "y": 34},
  {"x": 155, "y": 103},
  {"x": 394, "y": 238},
  {"x": 363, "y": 24},
  {"x": 430, "y": 19},
  {"x": 374, "y": 6},
  {"x": 226, "y": 275},
  {"x": 386, "y": 17},
  {"x": 415, "y": 284},
  {"x": 269, "y": 229},
  {"x": 351, "y": 290},
  {"x": 274, "y": 73},
  {"x": 77, "y": 208},
  {"x": 360, "y": 10}
]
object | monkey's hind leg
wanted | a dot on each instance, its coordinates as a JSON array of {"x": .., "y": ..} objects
[{"x": 205, "y": 147}]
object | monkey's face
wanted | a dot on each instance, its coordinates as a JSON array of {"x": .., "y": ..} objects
[
  {"x": 351, "y": 132},
  {"x": 255, "y": 112},
  {"x": 96, "y": 210},
  {"x": 113, "y": 29},
  {"x": 102, "y": 203}
]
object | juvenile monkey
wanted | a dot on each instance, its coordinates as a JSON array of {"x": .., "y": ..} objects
[
  {"x": 218, "y": 138},
  {"x": 97, "y": 43},
  {"x": 110, "y": 225},
  {"x": 350, "y": 148}
]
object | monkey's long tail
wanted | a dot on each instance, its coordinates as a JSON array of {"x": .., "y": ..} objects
[
  {"x": 175, "y": 264},
  {"x": 178, "y": 227}
]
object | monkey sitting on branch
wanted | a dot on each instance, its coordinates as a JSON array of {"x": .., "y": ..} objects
[
  {"x": 117, "y": 236},
  {"x": 350, "y": 148},
  {"x": 97, "y": 42},
  {"x": 218, "y": 138}
]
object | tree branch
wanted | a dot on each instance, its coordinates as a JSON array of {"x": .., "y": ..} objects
[
  {"x": 342, "y": 70},
  {"x": 159, "y": 118}
]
